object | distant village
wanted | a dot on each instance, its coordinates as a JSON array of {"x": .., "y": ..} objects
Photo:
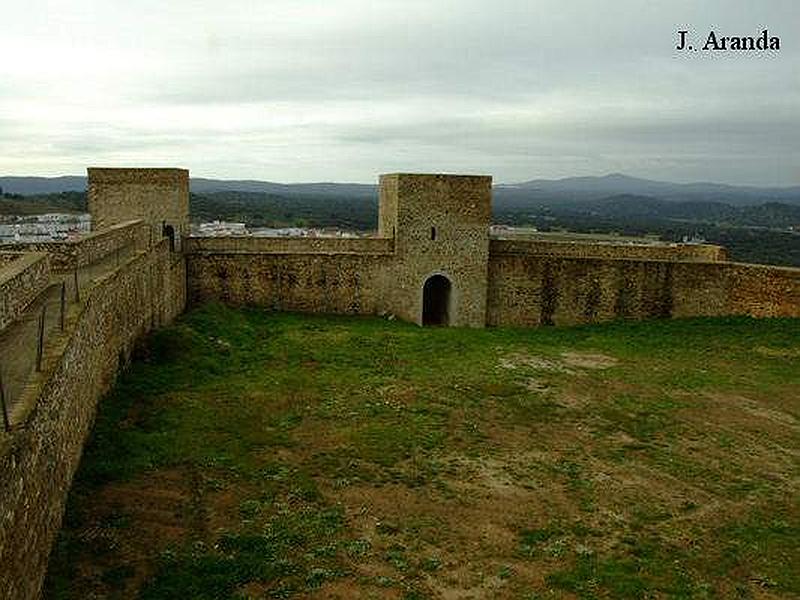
[
  {"x": 17, "y": 229},
  {"x": 65, "y": 226},
  {"x": 230, "y": 228},
  {"x": 43, "y": 228}
]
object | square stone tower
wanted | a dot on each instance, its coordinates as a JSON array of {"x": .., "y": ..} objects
[
  {"x": 160, "y": 197},
  {"x": 440, "y": 225}
]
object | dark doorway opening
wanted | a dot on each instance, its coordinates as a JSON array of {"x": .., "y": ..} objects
[
  {"x": 169, "y": 232},
  {"x": 436, "y": 301}
]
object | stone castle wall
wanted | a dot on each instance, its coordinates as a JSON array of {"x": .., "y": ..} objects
[
  {"x": 580, "y": 249},
  {"x": 22, "y": 278},
  {"x": 40, "y": 455},
  {"x": 440, "y": 225},
  {"x": 346, "y": 283},
  {"x": 157, "y": 196},
  {"x": 6, "y": 258},
  {"x": 524, "y": 287},
  {"x": 763, "y": 291},
  {"x": 428, "y": 224},
  {"x": 290, "y": 245},
  {"x": 530, "y": 290},
  {"x": 91, "y": 247},
  {"x": 736, "y": 289},
  {"x": 523, "y": 290}
]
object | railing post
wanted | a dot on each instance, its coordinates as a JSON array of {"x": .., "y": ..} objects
[
  {"x": 77, "y": 290},
  {"x": 6, "y": 420},
  {"x": 63, "y": 303},
  {"x": 40, "y": 345}
]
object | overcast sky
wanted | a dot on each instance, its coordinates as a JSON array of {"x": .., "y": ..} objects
[{"x": 342, "y": 90}]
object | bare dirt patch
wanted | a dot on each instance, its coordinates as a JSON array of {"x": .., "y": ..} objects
[
  {"x": 589, "y": 360},
  {"x": 567, "y": 363},
  {"x": 754, "y": 408},
  {"x": 778, "y": 352},
  {"x": 131, "y": 520},
  {"x": 538, "y": 363}
]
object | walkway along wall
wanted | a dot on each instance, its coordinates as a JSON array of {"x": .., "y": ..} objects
[
  {"x": 38, "y": 458},
  {"x": 91, "y": 247}
]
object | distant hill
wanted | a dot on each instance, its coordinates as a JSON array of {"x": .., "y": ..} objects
[
  {"x": 582, "y": 189},
  {"x": 536, "y": 192},
  {"x": 754, "y": 228},
  {"x": 37, "y": 186},
  {"x": 200, "y": 185},
  {"x": 769, "y": 214},
  {"x": 345, "y": 211},
  {"x": 62, "y": 202}
]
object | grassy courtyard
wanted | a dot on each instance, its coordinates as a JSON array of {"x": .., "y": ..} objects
[{"x": 248, "y": 454}]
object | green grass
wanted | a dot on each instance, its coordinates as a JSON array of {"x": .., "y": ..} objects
[{"x": 256, "y": 454}]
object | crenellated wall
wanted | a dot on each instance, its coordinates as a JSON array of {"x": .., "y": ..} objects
[{"x": 52, "y": 419}]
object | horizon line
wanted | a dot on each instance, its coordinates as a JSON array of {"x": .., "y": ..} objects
[{"x": 494, "y": 183}]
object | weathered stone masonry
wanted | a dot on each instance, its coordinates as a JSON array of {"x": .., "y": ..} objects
[
  {"x": 22, "y": 278},
  {"x": 428, "y": 225},
  {"x": 53, "y": 417},
  {"x": 438, "y": 224},
  {"x": 92, "y": 247},
  {"x": 431, "y": 228},
  {"x": 159, "y": 197},
  {"x": 38, "y": 460}
]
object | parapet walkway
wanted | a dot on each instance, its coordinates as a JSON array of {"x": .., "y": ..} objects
[{"x": 24, "y": 343}]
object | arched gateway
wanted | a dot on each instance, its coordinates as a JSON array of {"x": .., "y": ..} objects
[
  {"x": 436, "y": 301},
  {"x": 439, "y": 225}
]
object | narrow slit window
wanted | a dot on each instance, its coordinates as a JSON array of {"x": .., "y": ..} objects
[{"x": 433, "y": 233}]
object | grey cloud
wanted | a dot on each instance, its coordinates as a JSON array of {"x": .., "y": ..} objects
[{"x": 348, "y": 89}]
